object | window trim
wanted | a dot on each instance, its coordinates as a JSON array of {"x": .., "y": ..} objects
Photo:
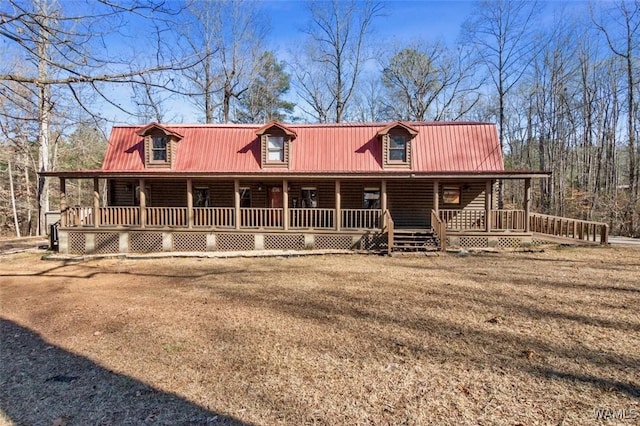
[
  {"x": 207, "y": 200},
  {"x": 280, "y": 151},
  {"x": 302, "y": 199},
  {"x": 452, "y": 194},
  {"x": 364, "y": 199},
  {"x": 245, "y": 190},
  {"x": 152, "y": 143},
  {"x": 404, "y": 149}
]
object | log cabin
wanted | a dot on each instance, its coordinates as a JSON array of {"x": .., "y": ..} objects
[{"x": 356, "y": 186}]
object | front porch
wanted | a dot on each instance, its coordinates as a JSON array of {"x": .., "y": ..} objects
[{"x": 244, "y": 214}]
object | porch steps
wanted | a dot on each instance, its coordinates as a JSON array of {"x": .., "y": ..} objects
[{"x": 414, "y": 240}]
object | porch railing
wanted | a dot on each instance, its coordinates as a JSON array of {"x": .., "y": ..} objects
[
  {"x": 119, "y": 216},
  {"x": 463, "y": 220},
  {"x": 361, "y": 218},
  {"x": 225, "y": 217},
  {"x": 214, "y": 217},
  {"x": 167, "y": 216},
  {"x": 475, "y": 219},
  {"x": 439, "y": 229},
  {"x": 569, "y": 228},
  {"x": 79, "y": 216},
  {"x": 511, "y": 220},
  {"x": 261, "y": 218},
  {"x": 312, "y": 218},
  {"x": 388, "y": 226}
]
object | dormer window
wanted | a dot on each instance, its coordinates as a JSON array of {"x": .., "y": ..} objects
[
  {"x": 159, "y": 149},
  {"x": 275, "y": 144},
  {"x": 396, "y": 145},
  {"x": 397, "y": 148},
  {"x": 160, "y": 145}
]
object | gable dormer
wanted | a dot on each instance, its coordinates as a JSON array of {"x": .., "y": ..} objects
[
  {"x": 396, "y": 145},
  {"x": 275, "y": 144},
  {"x": 160, "y": 145}
]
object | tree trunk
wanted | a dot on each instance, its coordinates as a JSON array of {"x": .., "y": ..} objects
[{"x": 13, "y": 201}]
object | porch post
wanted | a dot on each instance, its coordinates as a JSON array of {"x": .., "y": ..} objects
[
  {"x": 96, "y": 203},
  {"x": 436, "y": 196},
  {"x": 338, "y": 206},
  {"x": 487, "y": 206},
  {"x": 527, "y": 203},
  {"x": 63, "y": 202},
  {"x": 143, "y": 204},
  {"x": 383, "y": 195},
  {"x": 236, "y": 201},
  {"x": 285, "y": 204},
  {"x": 190, "y": 203}
]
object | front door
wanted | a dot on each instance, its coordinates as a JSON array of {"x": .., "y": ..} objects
[{"x": 275, "y": 197}]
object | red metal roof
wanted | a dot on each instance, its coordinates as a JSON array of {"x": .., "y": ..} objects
[{"x": 318, "y": 148}]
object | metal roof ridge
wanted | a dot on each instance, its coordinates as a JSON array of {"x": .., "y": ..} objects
[{"x": 307, "y": 125}]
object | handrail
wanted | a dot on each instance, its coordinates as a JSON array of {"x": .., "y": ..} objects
[
  {"x": 388, "y": 226},
  {"x": 440, "y": 229},
  {"x": 577, "y": 229}
]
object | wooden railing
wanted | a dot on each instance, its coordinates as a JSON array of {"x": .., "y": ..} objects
[
  {"x": 214, "y": 217},
  {"x": 569, "y": 228},
  {"x": 511, "y": 220},
  {"x": 79, "y": 216},
  {"x": 119, "y": 216},
  {"x": 459, "y": 219},
  {"x": 312, "y": 218},
  {"x": 440, "y": 230},
  {"x": 361, "y": 218},
  {"x": 167, "y": 216},
  {"x": 261, "y": 218},
  {"x": 388, "y": 227}
]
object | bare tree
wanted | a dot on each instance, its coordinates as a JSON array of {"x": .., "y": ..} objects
[
  {"x": 63, "y": 57},
  {"x": 333, "y": 58},
  {"x": 622, "y": 33},
  {"x": 502, "y": 32},
  {"x": 425, "y": 81},
  {"x": 227, "y": 37}
]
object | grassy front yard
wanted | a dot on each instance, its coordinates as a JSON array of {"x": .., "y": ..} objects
[{"x": 509, "y": 338}]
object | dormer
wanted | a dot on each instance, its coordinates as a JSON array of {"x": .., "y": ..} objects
[
  {"x": 275, "y": 144},
  {"x": 160, "y": 145},
  {"x": 396, "y": 145}
]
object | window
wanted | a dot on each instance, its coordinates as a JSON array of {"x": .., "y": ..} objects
[
  {"x": 245, "y": 197},
  {"x": 201, "y": 197},
  {"x": 451, "y": 194},
  {"x": 275, "y": 149},
  {"x": 147, "y": 195},
  {"x": 309, "y": 198},
  {"x": 159, "y": 148},
  {"x": 371, "y": 198},
  {"x": 398, "y": 148}
]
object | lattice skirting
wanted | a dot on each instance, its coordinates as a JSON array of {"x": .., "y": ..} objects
[
  {"x": 284, "y": 242},
  {"x": 235, "y": 242},
  {"x": 375, "y": 242},
  {"x": 77, "y": 242},
  {"x": 189, "y": 241},
  {"x": 336, "y": 242},
  {"x": 509, "y": 242},
  {"x": 477, "y": 242},
  {"x": 145, "y": 242},
  {"x": 106, "y": 242}
]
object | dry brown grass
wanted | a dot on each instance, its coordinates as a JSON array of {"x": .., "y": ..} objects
[{"x": 509, "y": 338}]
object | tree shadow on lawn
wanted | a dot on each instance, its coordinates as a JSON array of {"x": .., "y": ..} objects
[
  {"x": 482, "y": 344},
  {"x": 41, "y": 383}
]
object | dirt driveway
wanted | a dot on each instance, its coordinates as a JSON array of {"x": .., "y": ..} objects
[{"x": 509, "y": 338}]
